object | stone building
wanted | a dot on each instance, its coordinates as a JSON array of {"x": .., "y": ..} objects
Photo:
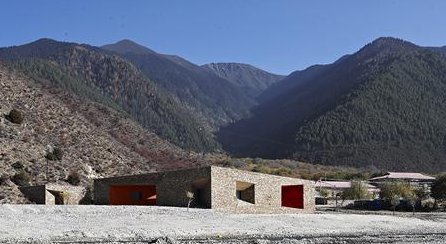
[
  {"x": 54, "y": 194},
  {"x": 222, "y": 189}
]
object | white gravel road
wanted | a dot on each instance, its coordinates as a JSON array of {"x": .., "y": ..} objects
[{"x": 45, "y": 224}]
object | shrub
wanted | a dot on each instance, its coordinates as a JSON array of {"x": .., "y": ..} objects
[
  {"x": 21, "y": 179},
  {"x": 50, "y": 156},
  {"x": 56, "y": 154},
  {"x": 3, "y": 180},
  {"x": 15, "y": 116},
  {"x": 239, "y": 164},
  {"x": 261, "y": 169},
  {"x": 283, "y": 172},
  {"x": 18, "y": 166},
  {"x": 74, "y": 178},
  {"x": 421, "y": 193},
  {"x": 438, "y": 190}
]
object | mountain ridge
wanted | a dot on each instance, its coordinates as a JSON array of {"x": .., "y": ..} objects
[
  {"x": 105, "y": 75},
  {"x": 288, "y": 124},
  {"x": 251, "y": 79},
  {"x": 216, "y": 100}
]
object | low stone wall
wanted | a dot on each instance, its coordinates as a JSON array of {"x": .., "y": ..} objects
[
  {"x": 72, "y": 194},
  {"x": 45, "y": 194}
]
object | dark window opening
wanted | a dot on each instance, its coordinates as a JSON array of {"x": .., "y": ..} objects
[
  {"x": 202, "y": 193},
  {"x": 136, "y": 196},
  {"x": 245, "y": 191}
]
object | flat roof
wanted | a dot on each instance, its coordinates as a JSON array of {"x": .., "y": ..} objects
[
  {"x": 340, "y": 184},
  {"x": 403, "y": 176},
  {"x": 151, "y": 174}
]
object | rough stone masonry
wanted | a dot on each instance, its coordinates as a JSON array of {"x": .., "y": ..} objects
[{"x": 218, "y": 188}]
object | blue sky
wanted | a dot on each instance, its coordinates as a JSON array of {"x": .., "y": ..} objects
[{"x": 276, "y": 35}]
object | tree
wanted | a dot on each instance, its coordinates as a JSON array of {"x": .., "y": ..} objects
[
  {"x": 438, "y": 190},
  {"x": 396, "y": 188},
  {"x": 324, "y": 192},
  {"x": 394, "y": 201},
  {"x": 190, "y": 197},
  {"x": 412, "y": 200},
  {"x": 358, "y": 190},
  {"x": 421, "y": 193},
  {"x": 74, "y": 178},
  {"x": 393, "y": 192}
]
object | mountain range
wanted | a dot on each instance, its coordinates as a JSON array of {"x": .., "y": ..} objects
[
  {"x": 104, "y": 114},
  {"x": 380, "y": 107},
  {"x": 214, "y": 100},
  {"x": 251, "y": 80}
]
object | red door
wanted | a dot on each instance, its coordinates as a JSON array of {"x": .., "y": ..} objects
[
  {"x": 132, "y": 195},
  {"x": 293, "y": 196}
]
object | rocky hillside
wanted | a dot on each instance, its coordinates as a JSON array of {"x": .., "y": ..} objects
[
  {"x": 77, "y": 136},
  {"x": 380, "y": 107},
  {"x": 113, "y": 81},
  {"x": 253, "y": 81},
  {"x": 215, "y": 100}
]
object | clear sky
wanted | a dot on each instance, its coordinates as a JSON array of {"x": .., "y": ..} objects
[{"x": 276, "y": 35}]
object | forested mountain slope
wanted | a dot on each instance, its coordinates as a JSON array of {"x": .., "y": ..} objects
[
  {"x": 215, "y": 100},
  {"x": 94, "y": 140},
  {"x": 382, "y": 106},
  {"x": 92, "y": 73},
  {"x": 253, "y": 81}
]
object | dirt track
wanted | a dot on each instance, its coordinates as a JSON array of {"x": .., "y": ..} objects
[{"x": 129, "y": 224}]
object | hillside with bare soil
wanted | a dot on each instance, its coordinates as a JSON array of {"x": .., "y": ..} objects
[{"x": 61, "y": 135}]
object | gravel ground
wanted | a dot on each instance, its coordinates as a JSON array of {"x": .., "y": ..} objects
[{"x": 131, "y": 224}]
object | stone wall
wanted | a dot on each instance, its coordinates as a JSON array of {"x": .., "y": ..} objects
[
  {"x": 44, "y": 194},
  {"x": 35, "y": 194},
  {"x": 214, "y": 187},
  {"x": 267, "y": 192},
  {"x": 72, "y": 194},
  {"x": 171, "y": 186}
]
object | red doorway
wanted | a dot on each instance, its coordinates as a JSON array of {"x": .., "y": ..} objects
[
  {"x": 293, "y": 196},
  {"x": 132, "y": 195}
]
